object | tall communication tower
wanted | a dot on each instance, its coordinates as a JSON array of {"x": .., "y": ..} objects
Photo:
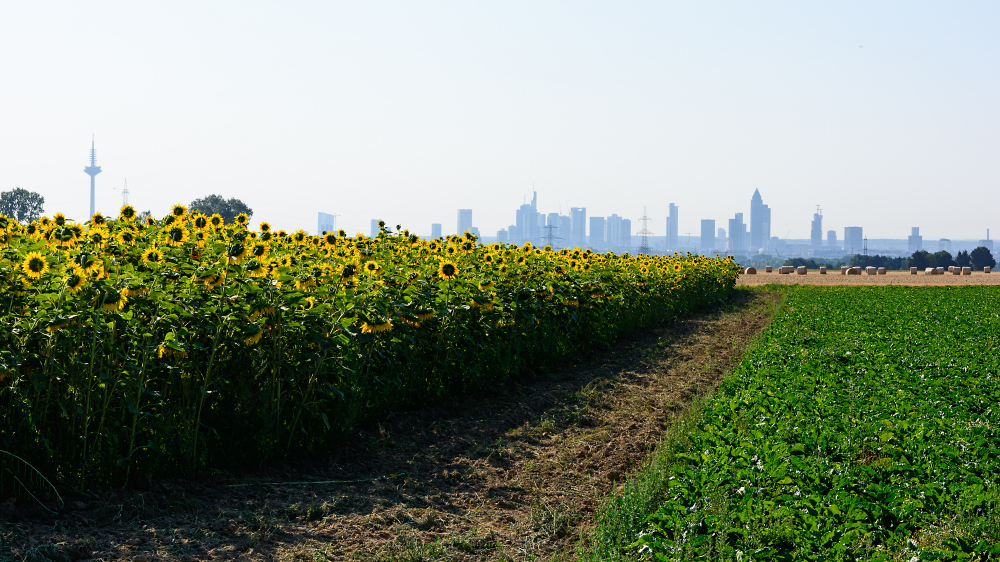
[
  {"x": 124, "y": 194},
  {"x": 92, "y": 170},
  {"x": 644, "y": 233}
]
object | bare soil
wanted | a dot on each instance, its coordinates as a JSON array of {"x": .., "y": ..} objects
[
  {"x": 515, "y": 474},
  {"x": 814, "y": 277}
]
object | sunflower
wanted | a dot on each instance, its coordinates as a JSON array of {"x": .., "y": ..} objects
[
  {"x": 434, "y": 246},
  {"x": 34, "y": 265},
  {"x": 152, "y": 256},
  {"x": 75, "y": 278},
  {"x": 59, "y": 219},
  {"x": 241, "y": 219},
  {"x": 126, "y": 213},
  {"x": 126, "y": 237},
  {"x": 350, "y": 271},
  {"x": 372, "y": 268},
  {"x": 200, "y": 222},
  {"x": 178, "y": 211},
  {"x": 447, "y": 270},
  {"x": 300, "y": 236},
  {"x": 98, "y": 219},
  {"x": 342, "y": 233},
  {"x": 260, "y": 251},
  {"x": 175, "y": 235},
  {"x": 255, "y": 268},
  {"x": 367, "y": 328},
  {"x": 237, "y": 252},
  {"x": 264, "y": 227},
  {"x": 98, "y": 236},
  {"x": 216, "y": 221},
  {"x": 150, "y": 221},
  {"x": 330, "y": 238},
  {"x": 96, "y": 271},
  {"x": 253, "y": 334},
  {"x": 112, "y": 301},
  {"x": 451, "y": 250}
]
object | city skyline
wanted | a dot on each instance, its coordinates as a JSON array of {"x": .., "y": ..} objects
[{"x": 883, "y": 114}]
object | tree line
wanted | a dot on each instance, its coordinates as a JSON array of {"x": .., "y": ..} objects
[
  {"x": 977, "y": 259},
  {"x": 26, "y": 206}
]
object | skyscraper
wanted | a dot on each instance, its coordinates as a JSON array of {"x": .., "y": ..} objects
[
  {"x": 707, "y": 235},
  {"x": 737, "y": 228},
  {"x": 326, "y": 223},
  {"x": 853, "y": 239},
  {"x": 578, "y": 216},
  {"x": 464, "y": 221},
  {"x": 817, "y": 228},
  {"x": 673, "y": 244},
  {"x": 613, "y": 231},
  {"x": 831, "y": 238},
  {"x": 760, "y": 222},
  {"x": 435, "y": 230},
  {"x": 914, "y": 242},
  {"x": 92, "y": 170},
  {"x": 529, "y": 222},
  {"x": 626, "y": 235},
  {"x": 375, "y": 228},
  {"x": 596, "y": 232}
]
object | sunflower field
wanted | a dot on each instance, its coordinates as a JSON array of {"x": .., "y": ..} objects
[{"x": 166, "y": 346}]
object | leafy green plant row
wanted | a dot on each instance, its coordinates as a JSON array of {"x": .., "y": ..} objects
[{"x": 863, "y": 425}]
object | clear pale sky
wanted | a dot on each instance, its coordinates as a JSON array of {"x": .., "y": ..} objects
[{"x": 885, "y": 113}]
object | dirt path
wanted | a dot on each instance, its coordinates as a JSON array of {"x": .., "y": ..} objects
[{"x": 518, "y": 475}]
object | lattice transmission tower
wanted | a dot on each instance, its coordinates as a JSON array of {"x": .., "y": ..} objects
[{"x": 644, "y": 233}]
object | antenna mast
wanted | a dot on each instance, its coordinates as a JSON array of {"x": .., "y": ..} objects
[
  {"x": 125, "y": 193},
  {"x": 644, "y": 233}
]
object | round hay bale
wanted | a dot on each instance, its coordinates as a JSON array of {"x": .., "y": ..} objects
[
  {"x": 986, "y": 269},
  {"x": 940, "y": 270},
  {"x": 913, "y": 271},
  {"x": 871, "y": 270},
  {"x": 767, "y": 269},
  {"x": 930, "y": 271},
  {"x": 854, "y": 271},
  {"x": 750, "y": 271},
  {"x": 801, "y": 270},
  {"x": 966, "y": 271},
  {"x": 822, "y": 270},
  {"x": 881, "y": 271}
]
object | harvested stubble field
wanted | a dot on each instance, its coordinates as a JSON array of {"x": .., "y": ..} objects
[
  {"x": 890, "y": 278},
  {"x": 516, "y": 474}
]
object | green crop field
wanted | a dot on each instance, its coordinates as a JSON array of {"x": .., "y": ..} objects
[{"x": 863, "y": 425}]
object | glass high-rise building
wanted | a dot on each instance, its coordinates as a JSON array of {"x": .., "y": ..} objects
[
  {"x": 853, "y": 239},
  {"x": 760, "y": 222},
  {"x": 673, "y": 244},
  {"x": 707, "y": 235},
  {"x": 326, "y": 223}
]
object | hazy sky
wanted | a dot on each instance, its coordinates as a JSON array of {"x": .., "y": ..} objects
[{"x": 885, "y": 113}]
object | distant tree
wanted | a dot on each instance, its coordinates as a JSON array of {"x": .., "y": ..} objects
[
  {"x": 962, "y": 259},
  {"x": 921, "y": 259},
  {"x": 21, "y": 204},
  {"x": 142, "y": 216},
  {"x": 888, "y": 262},
  {"x": 940, "y": 258},
  {"x": 227, "y": 208},
  {"x": 982, "y": 257}
]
